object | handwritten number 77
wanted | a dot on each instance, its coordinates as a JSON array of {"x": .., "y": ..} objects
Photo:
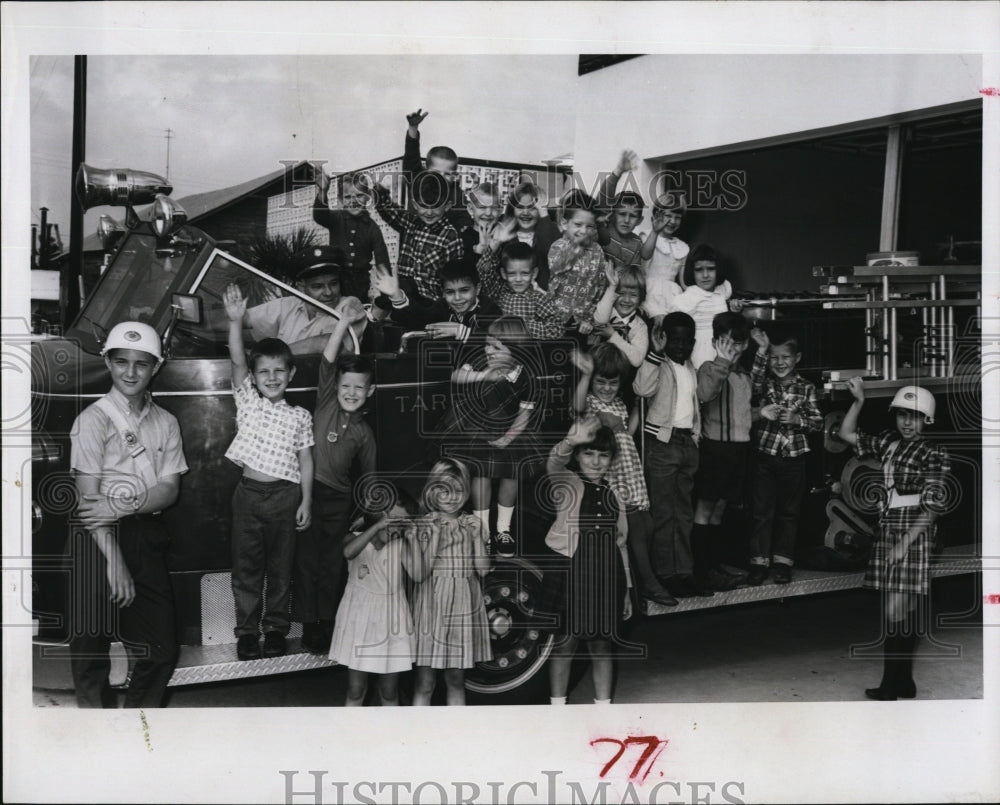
[{"x": 653, "y": 748}]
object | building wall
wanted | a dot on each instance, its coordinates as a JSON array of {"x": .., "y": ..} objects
[
  {"x": 688, "y": 103},
  {"x": 241, "y": 222}
]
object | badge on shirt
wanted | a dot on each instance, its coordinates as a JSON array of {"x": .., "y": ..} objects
[{"x": 132, "y": 441}]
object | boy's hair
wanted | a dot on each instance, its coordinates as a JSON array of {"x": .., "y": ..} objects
[
  {"x": 677, "y": 318},
  {"x": 271, "y": 348},
  {"x": 442, "y": 152},
  {"x": 575, "y": 201},
  {"x": 702, "y": 252},
  {"x": 787, "y": 339},
  {"x": 632, "y": 275},
  {"x": 459, "y": 270},
  {"x": 517, "y": 250},
  {"x": 445, "y": 468},
  {"x": 628, "y": 197},
  {"x": 483, "y": 194},
  {"x": 430, "y": 189},
  {"x": 671, "y": 200},
  {"x": 609, "y": 361},
  {"x": 355, "y": 364},
  {"x": 604, "y": 440},
  {"x": 732, "y": 324}
]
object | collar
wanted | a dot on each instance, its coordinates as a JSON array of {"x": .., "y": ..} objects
[
  {"x": 617, "y": 318},
  {"x": 122, "y": 402},
  {"x": 514, "y": 373}
]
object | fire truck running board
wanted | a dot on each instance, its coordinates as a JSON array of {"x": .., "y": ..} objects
[
  {"x": 199, "y": 664},
  {"x": 952, "y": 562}
]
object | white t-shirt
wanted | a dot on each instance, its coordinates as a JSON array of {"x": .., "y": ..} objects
[{"x": 684, "y": 401}]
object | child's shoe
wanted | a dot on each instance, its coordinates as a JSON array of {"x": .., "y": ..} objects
[
  {"x": 757, "y": 575},
  {"x": 505, "y": 545},
  {"x": 248, "y": 647},
  {"x": 313, "y": 637},
  {"x": 274, "y": 644},
  {"x": 782, "y": 573}
]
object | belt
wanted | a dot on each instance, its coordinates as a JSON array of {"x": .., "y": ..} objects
[
  {"x": 682, "y": 431},
  {"x": 898, "y": 501}
]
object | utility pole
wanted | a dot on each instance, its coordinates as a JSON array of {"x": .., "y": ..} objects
[
  {"x": 69, "y": 281},
  {"x": 169, "y": 137}
]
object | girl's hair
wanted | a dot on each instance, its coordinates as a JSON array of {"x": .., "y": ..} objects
[
  {"x": 604, "y": 441},
  {"x": 513, "y": 334},
  {"x": 445, "y": 469},
  {"x": 575, "y": 201},
  {"x": 671, "y": 200},
  {"x": 380, "y": 496},
  {"x": 609, "y": 361},
  {"x": 632, "y": 276},
  {"x": 702, "y": 252},
  {"x": 483, "y": 194},
  {"x": 523, "y": 189}
]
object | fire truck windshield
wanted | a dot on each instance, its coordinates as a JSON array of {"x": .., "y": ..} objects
[{"x": 136, "y": 287}]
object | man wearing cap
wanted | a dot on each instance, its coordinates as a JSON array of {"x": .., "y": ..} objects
[
  {"x": 304, "y": 327},
  {"x": 127, "y": 461}
]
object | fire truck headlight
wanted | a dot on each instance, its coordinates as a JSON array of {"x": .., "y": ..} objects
[
  {"x": 167, "y": 215},
  {"x": 109, "y": 231}
]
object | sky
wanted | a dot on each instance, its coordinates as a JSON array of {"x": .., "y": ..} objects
[{"x": 233, "y": 118}]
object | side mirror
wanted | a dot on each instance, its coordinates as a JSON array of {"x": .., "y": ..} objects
[{"x": 187, "y": 308}]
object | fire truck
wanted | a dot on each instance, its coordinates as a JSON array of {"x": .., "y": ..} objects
[{"x": 171, "y": 275}]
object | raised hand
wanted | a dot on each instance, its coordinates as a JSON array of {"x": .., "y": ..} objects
[
  {"x": 236, "y": 305},
  {"x": 856, "y": 386},
  {"x": 416, "y": 118},
  {"x": 322, "y": 181},
  {"x": 657, "y": 338},
  {"x": 725, "y": 347},
  {"x": 387, "y": 282},
  {"x": 760, "y": 338},
  {"x": 583, "y": 361},
  {"x": 611, "y": 273},
  {"x": 659, "y": 221},
  {"x": 626, "y": 162},
  {"x": 583, "y": 430},
  {"x": 351, "y": 309}
]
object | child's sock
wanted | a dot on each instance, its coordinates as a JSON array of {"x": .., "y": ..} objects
[
  {"x": 602, "y": 701},
  {"x": 504, "y": 515},
  {"x": 484, "y": 515},
  {"x": 557, "y": 700}
]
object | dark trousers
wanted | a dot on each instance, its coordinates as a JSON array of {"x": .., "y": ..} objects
[
  {"x": 779, "y": 484},
  {"x": 319, "y": 555},
  {"x": 670, "y": 471},
  {"x": 262, "y": 547},
  {"x": 146, "y": 626}
]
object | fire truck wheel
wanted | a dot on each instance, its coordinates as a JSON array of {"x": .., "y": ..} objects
[{"x": 520, "y": 647}]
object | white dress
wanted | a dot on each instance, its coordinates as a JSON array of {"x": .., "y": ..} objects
[
  {"x": 703, "y": 306},
  {"x": 662, "y": 271},
  {"x": 374, "y": 628}
]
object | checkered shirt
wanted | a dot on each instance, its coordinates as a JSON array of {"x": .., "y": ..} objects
[
  {"x": 625, "y": 475},
  {"x": 781, "y": 440},
  {"x": 916, "y": 467},
  {"x": 535, "y": 306},
  {"x": 423, "y": 250},
  {"x": 576, "y": 285},
  {"x": 269, "y": 435}
]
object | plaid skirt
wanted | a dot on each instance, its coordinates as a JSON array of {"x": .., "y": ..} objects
[{"x": 912, "y": 575}]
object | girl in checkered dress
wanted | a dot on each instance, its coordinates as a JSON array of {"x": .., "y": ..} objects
[
  {"x": 603, "y": 373},
  {"x": 900, "y": 563}
]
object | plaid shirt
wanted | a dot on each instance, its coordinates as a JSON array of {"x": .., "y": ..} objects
[
  {"x": 534, "y": 306},
  {"x": 423, "y": 250},
  {"x": 799, "y": 396},
  {"x": 576, "y": 285},
  {"x": 622, "y": 249}
]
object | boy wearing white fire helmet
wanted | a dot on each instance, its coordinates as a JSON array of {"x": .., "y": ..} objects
[
  {"x": 127, "y": 460},
  {"x": 913, "y": 470}
]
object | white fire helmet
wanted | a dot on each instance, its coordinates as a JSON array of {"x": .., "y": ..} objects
[
  {"x": 914, "y": 398},
  {"x": 134, "y": 335}
]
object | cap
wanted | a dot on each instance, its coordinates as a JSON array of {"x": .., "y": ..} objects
[
  {"x": 322, "y": 260},
  {"x": 134, "y": 335},
  {"x": 914, "y": 398}
]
